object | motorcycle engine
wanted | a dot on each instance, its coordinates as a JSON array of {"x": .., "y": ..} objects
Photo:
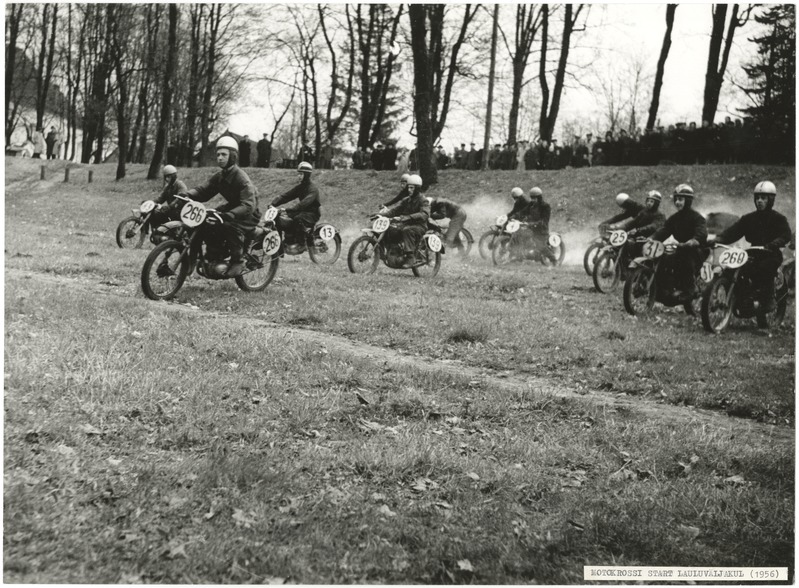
[
  {"x": 394, "y": 258},
  {"x": 215, "y": 270}
]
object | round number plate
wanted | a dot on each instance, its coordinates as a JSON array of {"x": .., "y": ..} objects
[
  {"x": 327, "y": 232},
  {"x": 270, "y": 214},
  {"x": 271, "y": 242},
  {"x": 501, "y": 220},
  {"x": 733, "y": 258},
  {"x": 706, "y": 273},
  {"x": 380, "y": 225},
  {"x": 433, "y": 243},
  {"x": 512, "y": 226},
  {"x": 193, "y": 214},
  {"x": 554, "y": 240},
  {"x": 618, "y": 238},
  {"x": 653, "y": 249},
  {"x": 146, "y": 206}
]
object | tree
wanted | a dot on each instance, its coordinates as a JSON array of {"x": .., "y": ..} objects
[
  {"x": 333, "y": 120},
  {"x": 422, "y": 103},
  {"x": 166, "y": 98},
  {"x": 714, "y": 75},
  {"x": 44, "y": 71},
  {"x": 664, "y": 54}
]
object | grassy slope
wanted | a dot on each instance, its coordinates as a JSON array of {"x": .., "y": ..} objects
[{"x": 242, "y": 456}]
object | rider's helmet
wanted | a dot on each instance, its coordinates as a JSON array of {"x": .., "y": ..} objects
[
  {"x": 536, "y": 194},
  {"x": 304, "y": 168},
  {"x": 517, "y": 193},
  {"x": 769, "y": 189},
  {"x": 232, "y": 146},
  {"x": 415, "y": 180},
  {"x": 654, "y": 195},
  {"x": 622, "y": 199},
  {"x": 404, "y": 179},
  {"x": 686, "y": 192},
  {"x": 170, "y": 170}
]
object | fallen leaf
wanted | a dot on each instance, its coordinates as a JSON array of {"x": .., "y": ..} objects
[
  {"x": 735, "y": 480},
  {"x": 90, "y": 430},
  {"x": 443, "y": 504},
  {"x": 176, "y": 550},
  {"x": 473, "y": 476},
  {"x": 465, "y": 565},
  {"x": 691, "y": 532},
  {"x": 114, "y": 462},
  {"x": 385, "y": 510}
]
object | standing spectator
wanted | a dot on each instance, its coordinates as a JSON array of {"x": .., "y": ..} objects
[
  {"x": 264, "y": 148},
  {"x": 403, "y": 165},
  {"x": 471, "y": 158},
  {"x": 50, "y": 141},
  {"x": 172, "y": 154},
  {"x": 367, "y": 158},
  {"x": 306, "y": 153},
  {"x": 530, "y": 159},
  {"x": 326, "y": 156},
  {"x": 39, "y": 147},
  {"x": 413, "y": 163},
  {"x": 377, "y": 157},
  {"x": 624, "y": 148},
  {"x": 358, "y": 159},
  {"x": 245, "y": 149},
  {"x": 59, "y": 140},
  {"x": 460, "y": 157},
  {"x": 590, "y": 144},
  {"x": 442, "y": 159},
  {"x": 580, "y": 157},
  {"x": 494, "y": 157},
  {"x": 390, "y": 157},
  {"x": 521, "y": 151},
  {"x": 566, "y": 155},
  {"x": 541, "y": 154}
]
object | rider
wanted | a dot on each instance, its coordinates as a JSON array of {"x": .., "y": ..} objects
[
  {"x": 538, "y": 217},
  {"x": 649, "y": 220},
  {"x": 307, "y": 211},
  {"x": 629, "y": 208},
  {"x": 765, "y": 227},
  {"x": 165, "y": 212},
  {"x": 411, "y": 214},
  {"x": 402, "y": 193},
  {"x": 521, "y": 205},
  {"x": 444, "y": 208},
  {"x": 239, "y": 214},
  {"x": 689, "y": 229}
]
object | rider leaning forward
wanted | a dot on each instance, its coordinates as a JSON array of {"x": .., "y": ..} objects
[
  {"x": 765, "y": 227},
  {"x": 303, "y": 215},
  {"x": 239, "y": 213},
  {"x": 689, "y": 229},
  {"x": 410, "y": 216},
  {"x": 443, "y": 208},
  {"x": 167, "y": 205},
  {"x": 629, "y": 209}
]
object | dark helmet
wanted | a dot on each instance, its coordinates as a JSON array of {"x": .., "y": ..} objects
[
  {"x": 769, "y": 189},
  {"x": 656, "y": 197},
  {"x": 686, "y": 192}
]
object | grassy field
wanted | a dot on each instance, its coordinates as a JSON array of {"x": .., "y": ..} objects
[{"x": 492, "y": 425}]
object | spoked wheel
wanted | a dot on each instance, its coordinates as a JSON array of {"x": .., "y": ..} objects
[
  {"x": 486, "y": 244},
  {"x": 324, "y": 252},
  {"x": 429, "y": 269},
  {"x": 558, "y": 253},
  {"x": 773, "y": 319},
  {"x": 128, "y": 234},
  {"x": 501, "y": 252},
  {"x": 607, "y": 272},
  {"x": 590, "y": 257},
  {"x": 260, "y": 270},
  {"x": 164, "y": 271},
  {"x": 717, "y": 303},
  {"x": 639, "y": 292},
  {"x": 463, "y": 243},
  {"x": 363, "y": 256}
]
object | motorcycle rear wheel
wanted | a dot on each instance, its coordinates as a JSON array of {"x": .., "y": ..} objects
[
  {"x": 160, "y": 279},
  {"x": 639, "y": 292},
  {"x": 773, "y": 319},
  {"x": 464, "y": 243},
  {"x": 717, "y": 303},
  {"x": 559, "y": 253},
  {"x": 260, "y": 270},
  {"x": 128, "y": 234},
  {"x": 429, "y": 269},
  {"x": 590, "y": 257},
  {"x": 501, "y": 251},
  {"x": 607, "y": 272},
  {"x": 363, "y": 256},
  {"x": 486, "y": 244},
  {"x": 324, "y": 252}
]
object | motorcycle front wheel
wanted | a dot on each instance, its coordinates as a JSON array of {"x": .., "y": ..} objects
[
  {"x": 464, "y": 242},
  {"x": 607, "y": 272},
  {"x": 486, "y": 244},
  {"x": 639, "y": 292},
  {"x": 429, "y": 269},
  {"x": 324, "y": 252},
  {"x": 363, "y": 256},
  {"x": 717, "y": 303},
  {"x": 128, "y": 234},
  {"x": 164, "y": 271},
  {"x": 501, "y": 251},
  {"x": 559, "y": 253},
  {"x": 590, "y": 257},
  {"x": 260, "y": 270}
]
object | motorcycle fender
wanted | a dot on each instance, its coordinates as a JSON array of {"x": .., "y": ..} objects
[
  {"x": 369, "y": 232},
  {"x": 639, "y": 262},
  {"x": 170, "y": 225}
]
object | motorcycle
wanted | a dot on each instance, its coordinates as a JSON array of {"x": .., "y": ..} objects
[
  {"x": 593, "y": 250},
  {"x": 171, "y": 262},
  {"x": 486, "y": 243},
  {"x": 732, "y": 291},
  {"x": 369, "y": 249},
  {"x": 323, "y": 242},
  {"x": 650, "y": 281},
  {"x": 510, "y": 245},
  {"x": 133, "y": 229},
  {"x": 612, "y": 261},
  {"x": 463, "y": 240}
]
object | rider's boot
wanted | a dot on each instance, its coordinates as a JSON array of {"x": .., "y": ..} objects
[{"x": 236, "y": 264}]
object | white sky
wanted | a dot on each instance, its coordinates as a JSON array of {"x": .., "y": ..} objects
[{"x": 618, "y": 35}]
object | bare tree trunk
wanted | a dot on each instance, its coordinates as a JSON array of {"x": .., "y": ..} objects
[
  {"x": 490, "y": 102},
  {"x": 664, "y": 54},
  {"x": 714, "y": 76},
  {"x": 12, "y": 35},
  {"x": 214, "y": 20},
  {"x": 542, "y": 73},
  {"x": 422, "y": 78},
  {"x": 166, "y": 98},
  {"x": 528, "y": 21},
  {"x": 46, "y": 57},
  {"x": 117, "y": 13}
]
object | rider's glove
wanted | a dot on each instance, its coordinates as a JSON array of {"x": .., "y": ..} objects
[
  {"x": 632, "y": 232},
  {"x": 402, "y": 218},
  {"x": 690, "y": 243},
  {"x": 227, "y": 216}
]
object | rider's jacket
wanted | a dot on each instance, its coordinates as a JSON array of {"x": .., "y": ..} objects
[
  {"x": 521, "y": 208},
  {"x": 646, "y": 222},
  {"x": 630, "y": 208},
  {"x": 170, "y": 191},
  {"x": 443, "y": 208},
  {"x": 762, "y": 228},
  {"x": 402, "y": 194},
  {"x": 308, "y": 207},
  {"x": 416, "y": 208},
  {"x": 683, "y": 225},
  {"x": 538, "y": 215},
  {"x": 236, "y": 187}
]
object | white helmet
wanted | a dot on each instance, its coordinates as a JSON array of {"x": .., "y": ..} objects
[
  {"x": 429, "y": 199},
  {"x": 404, "y": 178},
  {"x": 536, "y": 191},
  {"x": 654, "y": 195},
  {"x": 517, "y": 192},
  {"x": 621, "y": 198},
  {"x": 227, "y": 143},
  {"x": 170, "y": 170},
  {"x": 304, "y": 167},
  {"x": 415, "y": 180},
  {"x": 769, "y": 189}
]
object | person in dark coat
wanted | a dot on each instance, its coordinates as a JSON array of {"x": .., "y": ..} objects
[
  {"x": 689, "y": 229},
  {"x": 649, "y": 220},
  {"x": 303, "y": 215},
  {"x": 305, "y": 153},
  {"x": 765, "y": 227},
  {"x": 50, "y": 141},
  {"x": 402, "y": 193},
  {"x": 411, "y": 214},
  {"x": 441, "y": 208},
  {"x": 390, "y": 157},
  {"x": 377, "y": 157},
  {"x": 240, "y": 213},
  {"x": 538, "y": 217},
  {"x": 264, "y": 152},
  {"x": 168, "y": 208},
  {"x": 245, "y": 148},
  {"x": 629, "y": 209}
]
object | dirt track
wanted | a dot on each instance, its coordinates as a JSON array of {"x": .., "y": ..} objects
[{"x": 509, "y": 381}]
